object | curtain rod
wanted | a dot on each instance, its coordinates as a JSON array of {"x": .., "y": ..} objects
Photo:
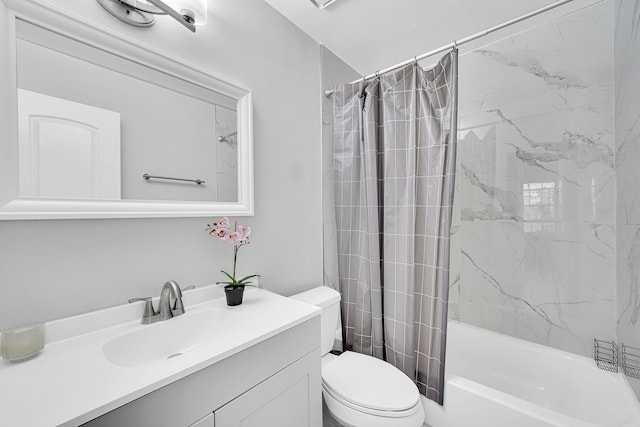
[{"x": 329, "y": 92}]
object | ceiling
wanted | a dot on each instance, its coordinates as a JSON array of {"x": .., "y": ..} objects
[{"x": 371, "y": 35}]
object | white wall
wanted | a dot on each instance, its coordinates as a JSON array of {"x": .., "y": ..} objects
[
  {"x": 53, "y": 269},
  {"x": 7, "y": 151}
]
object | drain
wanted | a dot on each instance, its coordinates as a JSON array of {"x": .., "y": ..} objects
[{"x": 174, "y": 355}]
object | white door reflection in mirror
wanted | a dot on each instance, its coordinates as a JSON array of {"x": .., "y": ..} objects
[{"x": 67, "y": 149}]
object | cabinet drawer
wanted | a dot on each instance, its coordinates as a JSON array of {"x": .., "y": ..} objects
[{"x": 290, "y": 398}]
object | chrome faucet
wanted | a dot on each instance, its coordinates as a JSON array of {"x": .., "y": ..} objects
[{"x": 165, "y": 311}]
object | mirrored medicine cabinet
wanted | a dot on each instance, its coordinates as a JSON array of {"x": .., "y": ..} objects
[{"x": 107, "y": 128}]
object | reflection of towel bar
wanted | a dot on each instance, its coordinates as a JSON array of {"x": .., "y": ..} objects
[{"x": 148, "y": 177}]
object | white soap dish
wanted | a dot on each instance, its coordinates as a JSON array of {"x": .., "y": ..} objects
[{"x": 22, "y": 343}]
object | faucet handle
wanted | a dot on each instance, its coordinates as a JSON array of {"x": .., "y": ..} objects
[
  {"x": 149, "y": 312},
  {"x": 178, "y": 306}
]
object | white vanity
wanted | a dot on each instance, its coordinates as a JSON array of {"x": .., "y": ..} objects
[{"x": 257, "y": 364}]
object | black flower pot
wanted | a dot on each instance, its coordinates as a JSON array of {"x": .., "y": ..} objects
[{"x": 234, "y": 294}]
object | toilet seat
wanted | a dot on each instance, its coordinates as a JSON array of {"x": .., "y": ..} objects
[
  {"x": 328, "y": 394},
  {"x": 368, "y": 383},
  {"x": 361, "y": 390}
]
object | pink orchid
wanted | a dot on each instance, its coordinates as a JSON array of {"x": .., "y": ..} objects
[
  {"x": 223, "y": 222},
  {"x": 232, "y": 237},
  {"x": 243, "y": 233},
  {"x": 238, "y": 237}
]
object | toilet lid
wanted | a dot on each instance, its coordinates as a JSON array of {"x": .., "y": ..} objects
[{"x": 369, "y": 383}]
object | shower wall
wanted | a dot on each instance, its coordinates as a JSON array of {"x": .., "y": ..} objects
[
  {"x": 534, "y": 243},
  {"x": 627, "y": 129}
]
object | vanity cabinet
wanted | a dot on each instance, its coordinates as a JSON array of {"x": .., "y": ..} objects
[
  {"x": 276, "y": 382},
  {"x": 282, "y": 400}
]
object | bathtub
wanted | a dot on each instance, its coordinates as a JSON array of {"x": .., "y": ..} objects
[{"x": 495, "y": 380}]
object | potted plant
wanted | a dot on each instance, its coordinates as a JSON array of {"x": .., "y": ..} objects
[{"x": 238, "y": 237}]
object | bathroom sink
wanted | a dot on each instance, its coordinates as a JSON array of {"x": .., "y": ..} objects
[{"x": 174, "y": 337}]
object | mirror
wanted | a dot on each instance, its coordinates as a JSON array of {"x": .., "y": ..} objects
[{"x": 114, "y": 130}]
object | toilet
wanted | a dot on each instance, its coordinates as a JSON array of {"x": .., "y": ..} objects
[{"x": 360, "y": 390}]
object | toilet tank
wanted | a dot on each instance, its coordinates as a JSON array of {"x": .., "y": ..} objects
[{"x": 329, "y": 301}]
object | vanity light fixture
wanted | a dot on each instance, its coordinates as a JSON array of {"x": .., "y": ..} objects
[
  {"x": 140, "y": 12},
  {"x": 321, "y": 4}
]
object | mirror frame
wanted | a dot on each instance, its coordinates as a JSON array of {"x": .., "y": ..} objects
[{"x": 12, "y": 207}]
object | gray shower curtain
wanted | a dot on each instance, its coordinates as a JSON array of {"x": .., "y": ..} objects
[{"x": 394, "y": 171}]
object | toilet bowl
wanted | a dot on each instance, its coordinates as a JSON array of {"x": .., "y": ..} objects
[{"x": 360, "y": 390}]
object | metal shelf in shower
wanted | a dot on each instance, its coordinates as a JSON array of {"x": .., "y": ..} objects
[
  {"x": 631, "y": 361},
  {"x": 605, "y": 353}
]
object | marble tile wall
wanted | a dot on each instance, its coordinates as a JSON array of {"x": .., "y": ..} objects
[
  {"x": 627, "y": 130},
  {"x": 535, "y": 229}
]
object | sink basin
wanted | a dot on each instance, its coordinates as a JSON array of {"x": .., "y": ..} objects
[{"x": 173, "y": 338}]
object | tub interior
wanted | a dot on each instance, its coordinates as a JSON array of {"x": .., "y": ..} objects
[{"x": 562, "y": 382}]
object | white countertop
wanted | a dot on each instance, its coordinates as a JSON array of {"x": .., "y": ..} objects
[{"x": 71, "y": 381}]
